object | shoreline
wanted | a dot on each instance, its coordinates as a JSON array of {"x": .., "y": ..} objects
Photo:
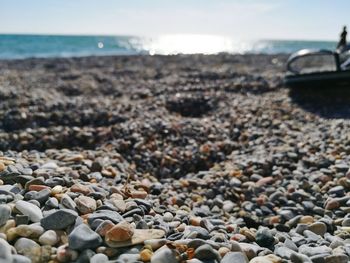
[{"x": 191, "y": 158}]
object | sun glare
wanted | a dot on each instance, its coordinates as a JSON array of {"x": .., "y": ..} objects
[{"x": 194, "y": 44}]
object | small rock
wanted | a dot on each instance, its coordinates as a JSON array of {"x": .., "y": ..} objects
[
  {"x": 339, "y": 258},
  {"x": 20, "y": 259},
  {"x": 85, "y": 204},
  {"x": 120, "y": 232},
  {"x": 49, "y": 238},
  {"x": 266, "y": 259},
  {"x": 28, "y": 248},
  {"x": 99, "y": 258},
  {"x": 237, "y": 257},
  {"x": 5, "y": 251},
  {"x": 5, "y": 214},
  {"x": 32, "y": 211},
  {"x": 206, "y": 252},
  {"x": 59, "y": 219},
  {"x": 264, "y": 238},
  {"x": 82, "y": 237},
  {"x": 164, "y": 254},
  {"x": 318, "y": 228}
]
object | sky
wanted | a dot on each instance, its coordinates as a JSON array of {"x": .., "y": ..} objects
[{"x": 241, "y": 19}]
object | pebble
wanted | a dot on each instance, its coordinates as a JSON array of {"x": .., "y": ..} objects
[
  {"x": 237, "y": 257},
  {"x": 5, "y": 251},
  {"x": 121, "y": 232},
  {"x": 99, "y": 258},
  {"x": 164, "y": 254},
  {"x": 32, "y": 211},
  {"x": 59, "y": 219},
  {"x": 266, "y": 259},
  {"x": 206, "y": 252},
  {"x": 82, "y": 237},
  {"x": 28, "y": 248},
  {"x": 264, "y": 238},
  {"x": 85, "y": 204},
  {"x": 49, "y": 238},
  {"x": 318, "y": 228},
  {"x": 241, "y": 170},
  {"x": 5, "y": 214}
]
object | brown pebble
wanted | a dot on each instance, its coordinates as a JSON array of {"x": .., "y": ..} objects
[
  {"x": 37, "y": 187},
  {"x": 120, "y": 232},
  {"x": 306, "y": 220},
  {"x": 332, "y": 204},
  {"x": 146, "y": 255},
  {"x": 79, "y": 188}
]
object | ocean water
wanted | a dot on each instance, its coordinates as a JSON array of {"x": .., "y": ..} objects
[{"x": 25, "y": 46}]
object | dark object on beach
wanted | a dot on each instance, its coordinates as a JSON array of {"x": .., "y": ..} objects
[
  {"x": 342, "y": 45},
  {"x": 338, "y": 76}
]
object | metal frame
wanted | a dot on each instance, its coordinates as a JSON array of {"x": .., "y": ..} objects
[{"x": 312, "y": 52}]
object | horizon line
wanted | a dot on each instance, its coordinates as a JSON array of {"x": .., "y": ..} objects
[{"x": 160, "y": 35}]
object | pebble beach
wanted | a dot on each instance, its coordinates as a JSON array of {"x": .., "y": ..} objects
[{"x": 184, "y": 158}]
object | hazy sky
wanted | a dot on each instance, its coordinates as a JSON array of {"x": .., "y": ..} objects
[{"x": 243, "y": 19}]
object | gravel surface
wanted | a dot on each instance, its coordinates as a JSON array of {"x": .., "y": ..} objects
[{"x": 170, "y": 159}]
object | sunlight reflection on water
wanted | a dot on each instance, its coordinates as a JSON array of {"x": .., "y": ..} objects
[{"x": 193, "y": 44}]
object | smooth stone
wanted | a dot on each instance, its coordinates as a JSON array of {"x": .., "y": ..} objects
[
  {"x": 284, "y": 252},
  {"x": 21, "y": 220},
  {"x": 113, "y": 216},
  {"x": 235, "y": 247},
  {"x": 266, "y": 259},
  {"x": 196, "y": 232},
  {"x": 28, "y": 248},
  {"x": 42, "y": 196},
  {"x": 85, "y": 256},
  {"x": 85, "y": 204},
  {"x": 5, "y": 214},
  {"x": 301, "y": 228},
  {"x": 59, "y": 219},
  {"x": 155, "y": 243},
  {"x": 99, "y": 258},
  {"x": 290, "y": 244},
  {"x": 68, "y": 202},
  {"x": 164, "y": 254},
  {"x": 32, "y": 231},
  {"x": 83, "y": 237},
  {"x": 168, "y": 217},
  {"x": 264, "y": 238},
  {"x": 51, "y": 203},
  {"x": 129, "y": 258},
  {"x": 49, "y": 238},
  {"x": 312, "y": 251},
  {"x": 49, "y": 166},
  {"x": 140, "y": 235},
  {"x": 299, "y": 258},
  {"x": 339, "y": 258},
  {"x": 20, "y": 259},
  {"x": 120, "y": 232},
  {"x": 5, "y": 251},
  {"x": 32, "y": 211},
  {"x": 206, "y": 252},
  {"x": 237, "y": 257},
  {"x": 318, "y": 228}
]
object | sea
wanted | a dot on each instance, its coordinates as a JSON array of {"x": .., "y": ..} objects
[{"x": 14, "y": 46}]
